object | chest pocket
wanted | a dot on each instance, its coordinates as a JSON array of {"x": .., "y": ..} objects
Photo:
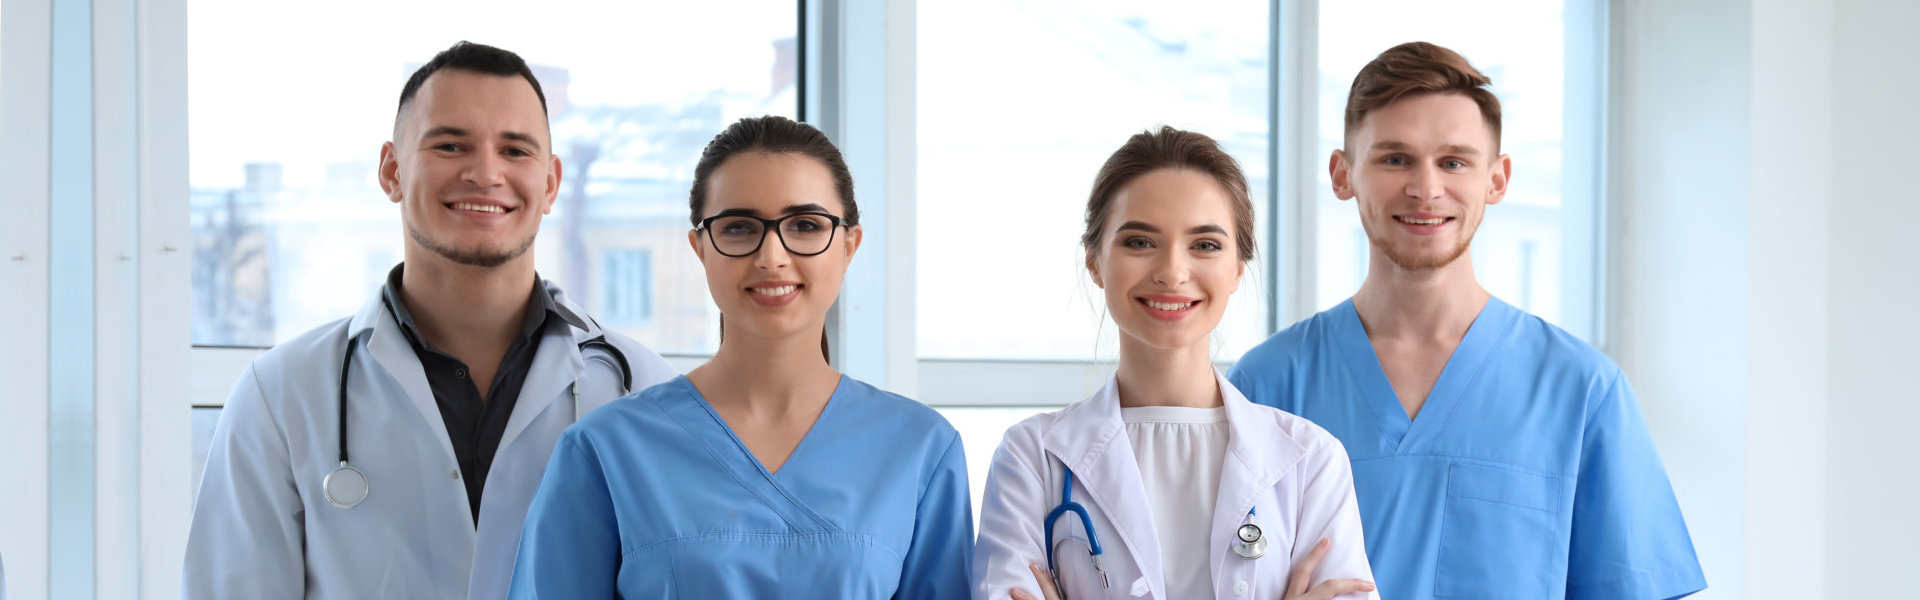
[
  {"x": 1502, "y": 535},
  {"x": 762, "y": 565}
]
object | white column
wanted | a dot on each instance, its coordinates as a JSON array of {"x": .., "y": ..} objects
[{"x": 25, "y": 69}]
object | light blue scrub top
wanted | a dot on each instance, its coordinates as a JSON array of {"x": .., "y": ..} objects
[
  {"x": 652, "y": 496},
  {"x": 1528, "y": 474}
]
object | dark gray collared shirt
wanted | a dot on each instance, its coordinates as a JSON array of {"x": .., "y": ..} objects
[{"x": 475, "y": 424}]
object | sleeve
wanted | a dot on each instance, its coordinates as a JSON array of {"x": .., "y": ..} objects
[
  {"x": 246, "y": 539},
  {"x": 1629, "y": 540},
  {"x": 570, "y": 543},
  {"x": 1010, "y": 521},
  {"x": 1329, "y": 509},
  {"x": 936, "y": 564}
]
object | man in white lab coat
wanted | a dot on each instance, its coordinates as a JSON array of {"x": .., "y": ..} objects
[{"x": 458, "y": 376}]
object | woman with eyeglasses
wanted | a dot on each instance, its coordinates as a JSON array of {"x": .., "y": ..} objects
[
  {"x": 764, "y": 473},
  {"x": 1168, "y": 483}
]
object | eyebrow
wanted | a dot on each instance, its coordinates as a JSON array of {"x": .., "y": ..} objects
[
  {"x": 1455, "y": 149},
  {"x": 448, "y": 130},
  {"x": 792, "y": 209},
  {"x": 1138, "y": 226}
]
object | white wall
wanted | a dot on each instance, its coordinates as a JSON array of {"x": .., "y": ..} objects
[
  {"x": 1766, "y": 299},
  {"x": 1873, "y": 394}
]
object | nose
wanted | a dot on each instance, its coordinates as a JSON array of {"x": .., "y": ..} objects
[
  {"x": 773, "y": 255},
  {"x": 1172, "y": 268},
  {"x": 485, "y": 168},
  {"x": 1426, "y": 183}
]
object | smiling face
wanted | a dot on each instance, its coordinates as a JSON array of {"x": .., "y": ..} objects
[
  {"x": 1424, "y": 170},
  {"x": 471, "y": 168},
  {"x": 773, "y": 292},
  {"x": 1165, "y": 258}
]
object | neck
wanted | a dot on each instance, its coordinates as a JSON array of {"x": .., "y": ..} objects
[
  {"x": 459, "y": 307},
  {"x": 1423, "y": 304},
  {"x": 769, "y": 375},
  {"x": 1152, "y": 376}
]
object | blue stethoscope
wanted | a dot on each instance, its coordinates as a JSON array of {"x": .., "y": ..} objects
[
  {"x": 1248, "y": 541},
  {"x": 346, "y": 486}
]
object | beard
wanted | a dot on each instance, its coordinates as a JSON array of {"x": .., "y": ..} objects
[
  {"x": 472, "y": 257},
  {"x": 1417, "y": 261}
]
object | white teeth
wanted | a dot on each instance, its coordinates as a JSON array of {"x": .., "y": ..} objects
[
  {"x": 1171, "y": 305},
  {"x": 479, "y": 207},
  {"x": 775, "y": 291},
  {"x": 1432, "y": 221}
]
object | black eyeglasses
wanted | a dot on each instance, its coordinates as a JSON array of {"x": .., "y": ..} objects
[{"x": 803, "y": 234}]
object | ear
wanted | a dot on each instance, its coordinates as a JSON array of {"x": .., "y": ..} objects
[
  {"x": 699, "y": 249},
  {"x": 854, "y": 235},
  {"x": 1341, "y": 170},
  {"x": 1239, "y": 275},
  {"x": 1502, "y": 173},
  {"x": 553, "y": 184},
  {"x": 1093, "y": 268},
  {"x": 389, "y": 173}
]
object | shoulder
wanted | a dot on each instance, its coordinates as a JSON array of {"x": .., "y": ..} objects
[
  {"x": 648, "y": 367},
  {"x": 899, "y": 413},
  {"x": 1290, "y": 347},
  {"x": 624, "y": 417},
  {"x": 1550, "y": 347},
  {"x": 319, "y": 349}
]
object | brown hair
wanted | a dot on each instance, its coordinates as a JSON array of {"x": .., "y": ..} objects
[
  {"x": 1416, "y": 68},
  {"x": 1170, "y": 148},
  {"x": 771, "y": 134}
]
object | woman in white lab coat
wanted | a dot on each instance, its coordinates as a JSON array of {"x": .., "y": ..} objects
[{"x": 1190, "y": 490}]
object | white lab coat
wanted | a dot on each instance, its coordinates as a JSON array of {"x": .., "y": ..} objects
[
  {"x": 262, "y": 527},
  {"x": 1291, "y": 472}
]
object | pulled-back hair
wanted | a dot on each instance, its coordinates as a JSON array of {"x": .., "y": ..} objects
[
  {"x": 772, "y": 135},
  {"x": 1417, "y": 68},
  {"x": 1170, "y": 148}
]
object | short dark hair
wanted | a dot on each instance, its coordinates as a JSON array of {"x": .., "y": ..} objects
[
  {"x": 1170, "y": 148},
  {"x": 1418, "y": 68},
  {"x": 473, "y": 58},
  {"x": 772, "y": 135}
]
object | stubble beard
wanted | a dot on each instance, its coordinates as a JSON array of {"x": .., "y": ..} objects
[{"x": 473, "y": 257}]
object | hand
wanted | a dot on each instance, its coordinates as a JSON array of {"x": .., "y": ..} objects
[
  {"x": 1303, "y": 573},
  {"x": 1046, "y": 585}
]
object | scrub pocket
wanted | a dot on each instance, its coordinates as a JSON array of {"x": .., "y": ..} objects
[{"x": 1500, "y": 535}]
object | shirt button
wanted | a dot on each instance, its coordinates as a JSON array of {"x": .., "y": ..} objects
[
  {"x": 1240, "y": 588},
  {"x": 459, "y": 373}
]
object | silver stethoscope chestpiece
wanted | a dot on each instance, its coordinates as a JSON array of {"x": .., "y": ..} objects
[
  {"x": 1251, "y": 544},
  {"x": 345, "y": 487}
]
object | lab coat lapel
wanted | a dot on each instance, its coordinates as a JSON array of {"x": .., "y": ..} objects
[
  {"x": 1091, "y": 439},
  {"x": 556, "y": 366},
  {"x": 390, "y": 349},
  {"x": 1259, "y": 454}
]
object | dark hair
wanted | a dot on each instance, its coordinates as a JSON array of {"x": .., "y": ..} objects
[
  {"x": 1170, "y": 148},
  {"x": 772, "y": 135},
  {"x": 1416, "y": 68},
  {"x": 474, "y": 58}
]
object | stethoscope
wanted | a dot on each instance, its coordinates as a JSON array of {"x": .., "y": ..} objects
[
  {"x": 346, "y": 486},
  {"x": 1248, "y": 542}
]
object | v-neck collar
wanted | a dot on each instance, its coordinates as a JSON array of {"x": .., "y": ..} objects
[
  {"x": 696, "y": 415},
  {"x": 1400, "y": 432}
]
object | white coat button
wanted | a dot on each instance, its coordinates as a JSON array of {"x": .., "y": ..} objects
[
  {"x": 1140, "y": 587},
  {"x": 456, "y": 473},
  {"x": 1240, "y": 588}
]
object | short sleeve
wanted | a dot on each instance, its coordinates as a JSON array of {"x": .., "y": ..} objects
[
  {"x": 936, "y": 565},
  {"x": 1629, "y": 540},
  {"x": 570, "y": 543}
]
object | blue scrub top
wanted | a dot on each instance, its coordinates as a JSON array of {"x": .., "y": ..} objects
[
  {"x": 652, "y": 496},
  {"x": 1528, "y": 474}
]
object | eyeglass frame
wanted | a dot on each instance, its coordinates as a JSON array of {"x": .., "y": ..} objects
[{"x": 773, "y": 225}]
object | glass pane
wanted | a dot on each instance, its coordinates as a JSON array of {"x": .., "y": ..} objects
[
  {"x": 1012, "y": 131},
  {"x": 291, "y": 228},
  {"x": 1521, "y": 45}
]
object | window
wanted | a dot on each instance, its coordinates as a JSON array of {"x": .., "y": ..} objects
[
  {"x": 291, "y": 229},
  {"x": 1012, "y": 130},
  {"x": 626, "y": 287}
]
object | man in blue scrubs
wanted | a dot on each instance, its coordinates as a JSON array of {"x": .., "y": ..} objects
[{"x": 1494, "y": 455}]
